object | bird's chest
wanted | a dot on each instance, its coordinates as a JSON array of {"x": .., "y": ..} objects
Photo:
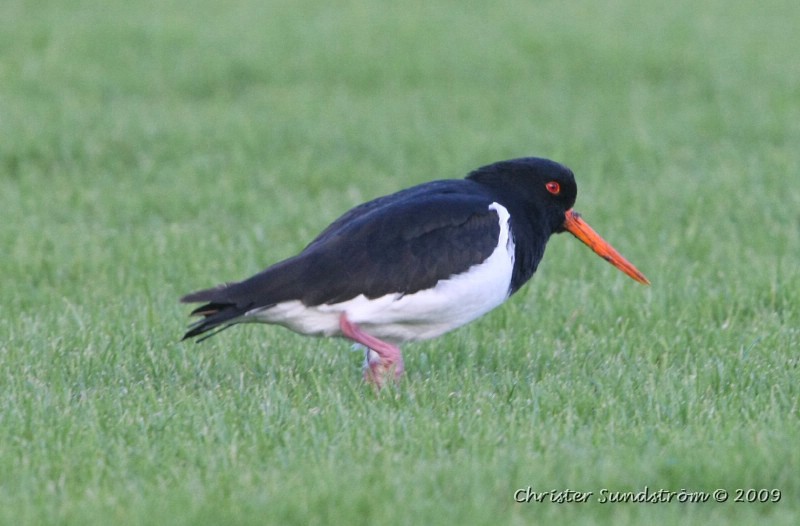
[{"x": 429, "y": 313}]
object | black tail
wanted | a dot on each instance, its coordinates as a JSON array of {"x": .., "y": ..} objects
[
  {"x": 216, "y": 314},
  {"x": 226, "y": 304}
]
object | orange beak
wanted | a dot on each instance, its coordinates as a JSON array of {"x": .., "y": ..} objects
[{"x": 580, "y": 229}]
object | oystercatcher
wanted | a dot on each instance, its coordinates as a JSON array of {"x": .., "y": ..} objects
[{"x": 414, "y": 264}]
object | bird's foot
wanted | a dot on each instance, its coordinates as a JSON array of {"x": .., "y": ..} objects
[
  {"x": 378, "y": 370},
  {"x": 383, "y": 360}
]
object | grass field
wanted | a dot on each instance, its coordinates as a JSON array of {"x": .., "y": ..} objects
[{"x": 151, "y": 148}]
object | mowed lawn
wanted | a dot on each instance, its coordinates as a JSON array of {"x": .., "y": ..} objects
[{"x": 151, "y": 148}]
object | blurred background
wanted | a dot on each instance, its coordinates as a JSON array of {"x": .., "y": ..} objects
[{"x": 149, "y": 148}]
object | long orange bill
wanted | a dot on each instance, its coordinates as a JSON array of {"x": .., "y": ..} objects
[{"x": 580, "y": 229}]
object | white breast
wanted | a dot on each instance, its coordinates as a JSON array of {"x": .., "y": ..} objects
[{"x": 425, "y": 314}]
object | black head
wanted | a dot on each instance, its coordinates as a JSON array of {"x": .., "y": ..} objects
[
  {"x": 544, "y": 192},
  {"x": 545, "y": 189}
]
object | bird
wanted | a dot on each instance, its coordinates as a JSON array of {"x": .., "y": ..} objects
[{"x": 412, "y": 265}]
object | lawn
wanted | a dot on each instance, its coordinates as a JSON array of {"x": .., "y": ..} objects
[{"x": 151, "y": 148}]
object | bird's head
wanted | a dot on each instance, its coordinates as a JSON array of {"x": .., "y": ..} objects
[{"x": 547, "y": 191}]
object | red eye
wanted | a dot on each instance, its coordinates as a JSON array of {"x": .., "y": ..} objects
[{"x": 553, "y": 187}]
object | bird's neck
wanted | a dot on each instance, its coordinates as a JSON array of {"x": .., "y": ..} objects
[{"x": 530, "y": 237}]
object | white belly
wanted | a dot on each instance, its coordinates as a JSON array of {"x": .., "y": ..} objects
[{"x": 451, "y": 303}]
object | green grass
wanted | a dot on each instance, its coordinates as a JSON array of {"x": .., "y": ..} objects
[{"x": 152, "y": 148}]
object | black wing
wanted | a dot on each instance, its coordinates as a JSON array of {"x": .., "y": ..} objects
[{"x": 400, "y": 244}]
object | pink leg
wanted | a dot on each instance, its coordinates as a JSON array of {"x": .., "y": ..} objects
[{"x": 389, "y": 357}]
